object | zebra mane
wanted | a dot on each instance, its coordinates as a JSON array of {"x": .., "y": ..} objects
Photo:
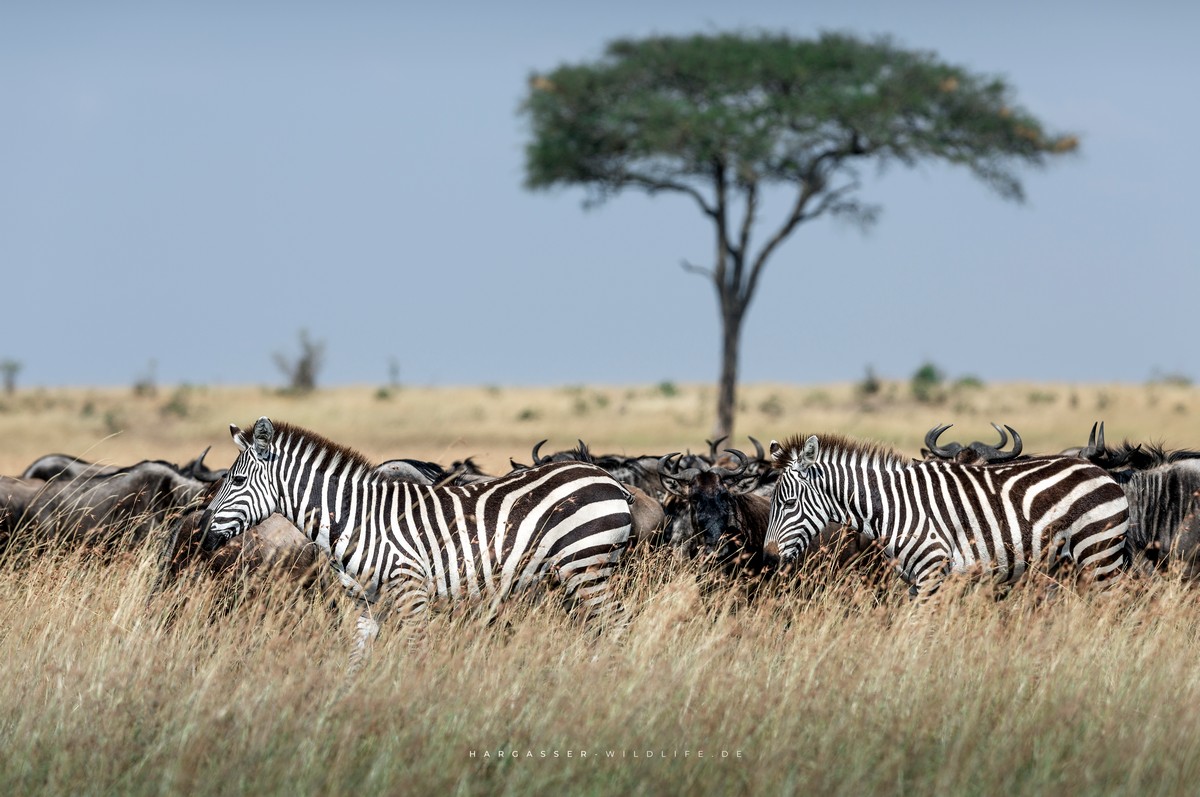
[
  {"x": 286, "y": 431},
  {"x": 831, "y": 443}
]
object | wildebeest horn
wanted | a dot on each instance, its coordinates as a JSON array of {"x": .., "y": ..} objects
[
  {"x": 679, "y": 476},
  {"x": 1095, "y": 443},
  {"x": 1017, "y": 444},
  {"x": 712, "y": 446},
  {"x": 1003, "y": 436},
  {"x": 536, "y": 459},
  {"x": 743, "y": 462},
  {"x": 996, "y": 455},
  {"x": 931, "y": 443},
  {"x": 758, "y": 449},
  {"x": 201, "y": 473}
]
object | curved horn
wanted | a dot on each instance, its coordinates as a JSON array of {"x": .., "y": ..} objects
[
  {"x": 1017, "y": 444},
  {"x": 1095, "y": 443},
  {"x": 1003, "y": 436},
  {"x": 931, "y": 438},
  {"x": 738, "y": 470},
  {"x": 679, "y": 476},
  {"x": 758, "y": 449},
  {"x": 201, "y": 473},
  {"x": 994, "y": 454},
  {"x": 536, "y": 459},
  {"x": 712, "y": 446}
]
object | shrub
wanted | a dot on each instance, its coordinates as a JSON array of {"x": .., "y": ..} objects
[{"x": 927, "y": 384}]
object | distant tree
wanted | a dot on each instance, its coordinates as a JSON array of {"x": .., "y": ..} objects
[
  {"x": 302, "y": 371},
  {"x": 10, "y": 369},
  {"x": 927, "y": 383},
  {"x": 720, "y": 118}
]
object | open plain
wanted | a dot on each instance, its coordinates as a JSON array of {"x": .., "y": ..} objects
[{"x": 824, "y": 684}]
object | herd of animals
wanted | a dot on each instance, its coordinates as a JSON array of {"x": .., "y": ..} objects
[{"x": 404, "y": 534}]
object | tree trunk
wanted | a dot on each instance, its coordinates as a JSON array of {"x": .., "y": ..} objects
[{"x": 731, "y": 334}]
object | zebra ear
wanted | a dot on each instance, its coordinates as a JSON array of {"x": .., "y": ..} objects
[
  {"x": 777, "y": 454},
  {"x": 264, "y": 431},
  {"x": 239, "y": 437},
  {"x": 809, "y": 454}
]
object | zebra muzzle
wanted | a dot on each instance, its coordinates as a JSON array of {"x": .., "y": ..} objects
[{"x": 771, "y": 552}]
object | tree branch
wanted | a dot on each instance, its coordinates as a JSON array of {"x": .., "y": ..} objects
[
  {"x": 830, "y": 201},
  {"x": 810, "y": 188},
  {"x": 812, "y": 184},
  {"x": 739, "y": 255},
  {"x": 653, "y": 185},
  {"x": 692, "y": 268},
  {"x": 722, "y": 220}
]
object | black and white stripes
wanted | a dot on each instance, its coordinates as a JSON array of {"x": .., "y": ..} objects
[
  {"x": 405, "y": 545},
  {"x": 938, "y": 517}
]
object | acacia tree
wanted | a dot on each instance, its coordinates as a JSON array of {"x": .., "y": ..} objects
[{"x": 720, "y": 118}]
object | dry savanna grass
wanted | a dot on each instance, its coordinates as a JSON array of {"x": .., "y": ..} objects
[{"x": 823, "y": 684}]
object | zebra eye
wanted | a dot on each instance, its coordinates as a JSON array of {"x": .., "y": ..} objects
[{"x": 238, "y": 481}]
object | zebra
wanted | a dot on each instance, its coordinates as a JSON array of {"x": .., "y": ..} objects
[
  {"x": 937, "y": 517},
  {"x": 399, "y": 546}
]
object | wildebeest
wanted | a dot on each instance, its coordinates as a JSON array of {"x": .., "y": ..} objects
[
  {"x": 108, "y": 509},
  {"x": 418, "y": 471},
  {"x": 66, "y": 466},
  {"x": 1163, "y": 489},
  {"x": 275, "y": 544}
]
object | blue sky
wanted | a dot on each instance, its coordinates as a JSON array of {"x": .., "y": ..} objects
[{"x": 192, "y": 184}]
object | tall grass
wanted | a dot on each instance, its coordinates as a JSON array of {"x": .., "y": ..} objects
[{"x": 820, "y": 686}]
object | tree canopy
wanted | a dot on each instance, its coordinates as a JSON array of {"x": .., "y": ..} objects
[{"x": 719, "y": 117}]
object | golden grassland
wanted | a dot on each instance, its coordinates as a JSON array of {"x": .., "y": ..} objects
[
  {"x": 493, "y": 424},
  {"x": 823, "y": 685}
]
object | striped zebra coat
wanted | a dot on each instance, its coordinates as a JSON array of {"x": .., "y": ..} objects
[
  {"x": 401, "y": 546},
  {"x": 938, "y": 517}
]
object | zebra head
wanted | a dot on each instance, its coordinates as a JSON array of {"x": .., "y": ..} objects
[
  {"x": 248, "y": 494},
  {"x": 799, "y": 508}
]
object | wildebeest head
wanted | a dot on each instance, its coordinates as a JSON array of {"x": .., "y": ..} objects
[
  {"x": 976, "y": 453},
  {"x": 709, "y": 494},
  {"x": 249, "y": 493}
]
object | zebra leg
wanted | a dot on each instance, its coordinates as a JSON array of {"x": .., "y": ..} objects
[
  {"x": 927, "y": 583},
  {"x": 587, "y": 591},
  {"x": 408, "y": 600},
  {"x": 366, "y": 630}
]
